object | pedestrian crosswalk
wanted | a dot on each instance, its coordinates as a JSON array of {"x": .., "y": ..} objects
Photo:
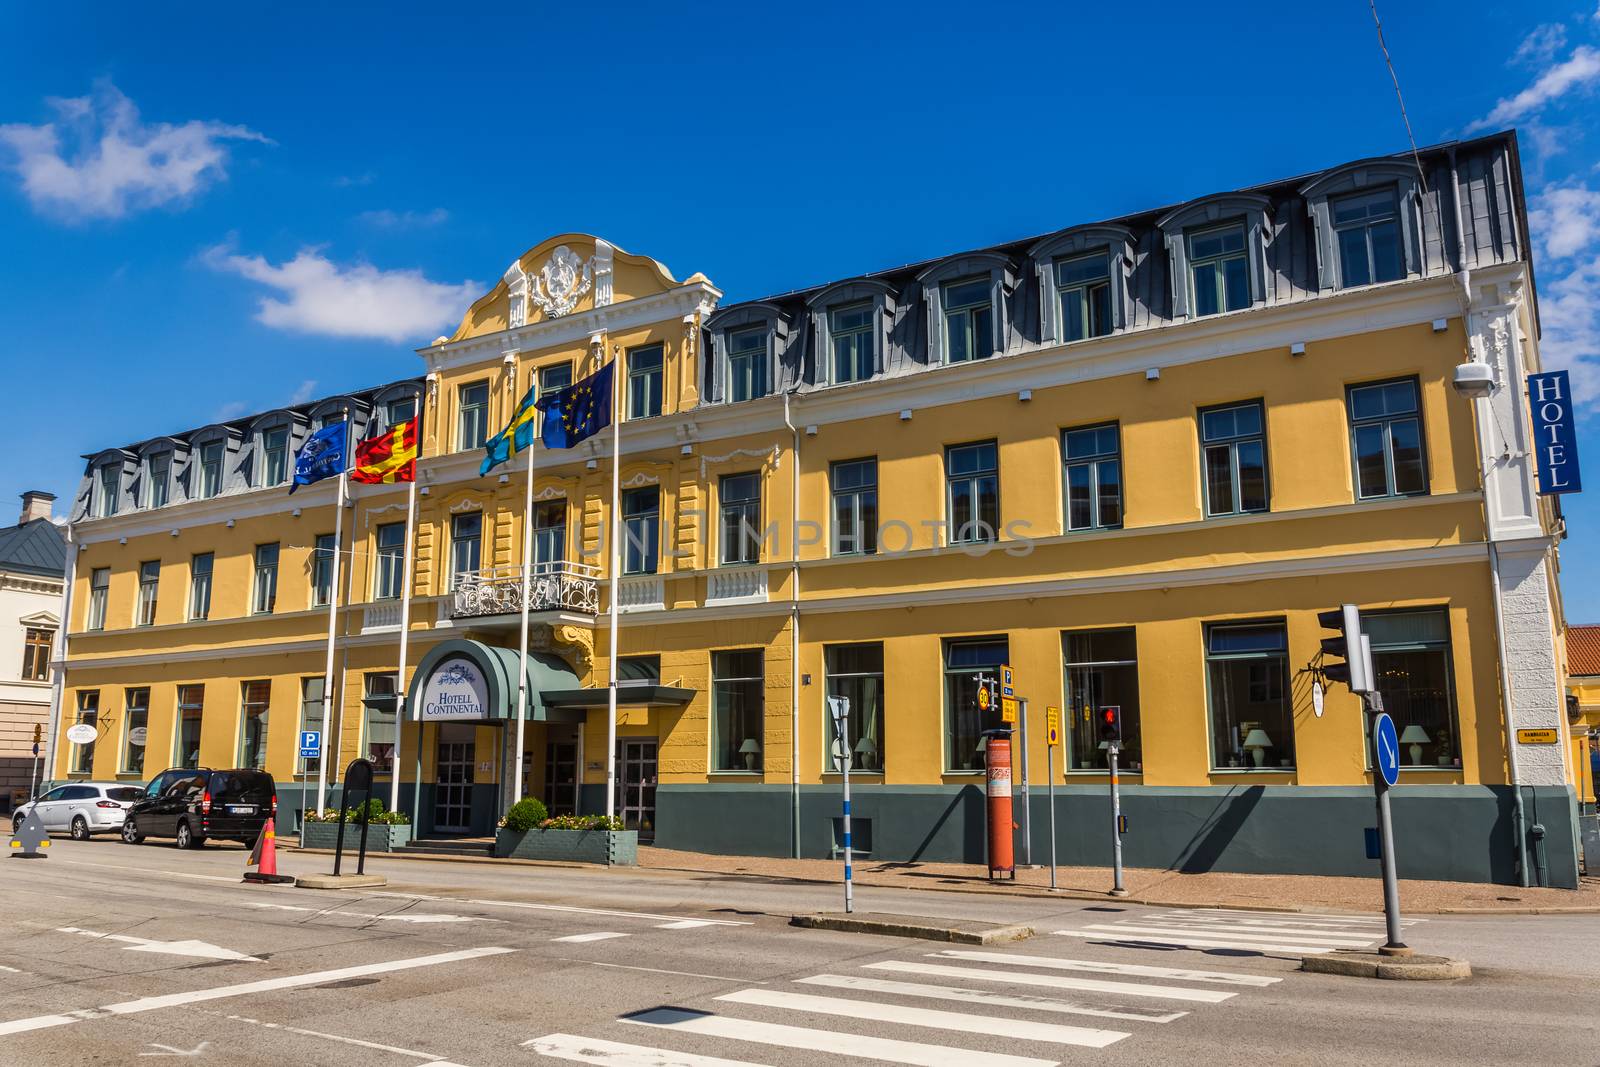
[
  {"x": 1266, "y": 933},
  {"x": 937, "y": 1009}
]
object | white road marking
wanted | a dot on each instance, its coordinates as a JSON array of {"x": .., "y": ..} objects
[
  {"x": 399, "y": 917},
  {"x": 1054, "y": 981},
  {"x": 201, "y": 949},
  {"x": 1314, "y": 933},
  {"x": 820, "y": 1041},
  {"x": 1234, "y": 935},
  {"x": 11, "y": 970},
  {"x": 173, "y": 1050},
  {"x": 1181, "y": 974},
  {"x": 1291, "y": 916},
  {"x": 598, "y": 935},
  {"x": 658, "y": 970},
  {"x": 932, "y": 1018},
  {"x": 152, "y": 870},
  {"x": 564, "y": 907},
  {"x": 1196, "y": 942},
  {"x": 293, "y": 981},
  {"x": 984, "y": 996},
  {"x": 430, "y": 1057},
  {"x": 685, "y": 924},
  {"x": 618, "y": 1054}
]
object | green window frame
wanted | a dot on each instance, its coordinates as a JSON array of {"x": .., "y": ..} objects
[
  {"x": 186, "y": 731},
  {"x": 738, "y": 711},
  {"x": 1248, "y": 693},
  {"x": 135, "y": 716},
  {"x": 641, "y": 528},
  {"x": 1219, "y": 268},
  {"x": 964, "y": 659},
  {"x": 274, "y": 456},
  {"x": 739, "y": 511},
  {"x": 1366, "y": 232},
  {"x": 255, "y": 706},
  {"x": 747, "y": 364},
  {"x": 855, "y": 506},
  {"x": 1387, "y": 447},
  {"x": 972, "y": 493},
  {"x": 472, "y": 416},
  {"x": 968, "y": 319},
  {"x": 855, "y": 672},
  {"x": 645, "y": 381},
  {"x": 1083, "y": 295},
  {"x": 1092, "y": 462},
  {"x": 264, "y": 593},
  {"x": 850, "y": 341},
  {"x": 389, "y": 572},
  {"x": 1101, "y": 669},
  {"x": 1415, "y": 668},
  {"x": 1233, "y": 457},
  {"x": 200, "y": 567}
]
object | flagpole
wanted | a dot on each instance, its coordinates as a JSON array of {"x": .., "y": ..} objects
[
  {"x": 616, "y": 566},
  {"x": 527, "y": 579},
  {"x": 405, "y": 623},
  {"x": 333, "y": 620}
]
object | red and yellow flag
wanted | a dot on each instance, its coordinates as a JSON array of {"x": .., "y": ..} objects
[{"x": 390, "y": 458}]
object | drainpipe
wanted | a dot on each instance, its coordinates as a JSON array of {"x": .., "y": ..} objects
[
  {"x": 794, "y": 627},
  {"x": 59, "y": 684}
]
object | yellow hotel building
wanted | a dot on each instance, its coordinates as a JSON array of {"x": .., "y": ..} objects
[{"x": 1132, "y": 459}]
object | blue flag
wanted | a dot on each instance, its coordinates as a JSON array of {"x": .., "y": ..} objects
[
  {"x": 322, "y": 456},
  {"x": 517, "y": 435},
  {"x": 580, "y": 410}
]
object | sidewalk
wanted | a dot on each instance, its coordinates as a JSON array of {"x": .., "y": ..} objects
[{"x": 1266, "y": 892}]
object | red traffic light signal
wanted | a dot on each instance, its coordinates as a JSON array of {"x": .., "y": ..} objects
[{"x": 1111, "y": 724}]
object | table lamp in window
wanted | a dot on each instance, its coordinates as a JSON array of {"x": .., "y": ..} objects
[
  {"x": 1416, "y": 737},
  {"x": 750, "y": 750},
  {"x": 1257, "y": 742},
  {"x": 866, "y": 753}
]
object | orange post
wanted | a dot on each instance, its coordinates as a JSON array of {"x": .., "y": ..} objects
[{"x": 997, "y": 760}]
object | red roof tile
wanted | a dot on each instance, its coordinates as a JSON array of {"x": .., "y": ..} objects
[{"x": 1583, "y": 650}]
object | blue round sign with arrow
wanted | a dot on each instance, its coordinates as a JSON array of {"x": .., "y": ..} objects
[{"x": 1386, "y": 748}]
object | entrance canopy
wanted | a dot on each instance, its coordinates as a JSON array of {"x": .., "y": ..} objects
[
  {"x": 468, "y": 681},
  {"x": 630, "y": 696}
]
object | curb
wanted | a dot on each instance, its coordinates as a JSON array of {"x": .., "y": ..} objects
[
  {"x": 1399, "y": 968},
  {"x": 967, "y": 933}
]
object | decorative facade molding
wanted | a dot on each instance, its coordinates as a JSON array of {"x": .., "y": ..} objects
[
  {"x": 772, "y": 456},
  {"x": 516, "y": 280},
  {"x": 564, "y": 279}
]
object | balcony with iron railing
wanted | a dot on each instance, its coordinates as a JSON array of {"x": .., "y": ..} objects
[{"x": 556, "y": 586}]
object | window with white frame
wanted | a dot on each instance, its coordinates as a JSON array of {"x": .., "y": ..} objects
[
  {"x": 149, "y": 584},
  {"x": 255, "y": 704},
  {"x": 99, "y": 592},
  {"x": 322, "y": 556},
  {"x": 275, "y": 455},
  {"x": 850, "y": 342},
  {"x": 855, "y": 507},
  {"x": 313, "y": 717},
  {"x": 549, "y": 534},
  {"x": 107, "y": 490},
  {"x": 36, "y": 645},
  {"x": 1234, "y": 445},
  {"x": 555, "y": 377},
  {"x": 472, "y": 427},
  {"x": 1386, "y": 439},
  {"x": 641, "y": 527},
  {"x": 158, "y": 480},
  {"x": 264, "y": 590},
  {"x": 186, "y": 741},
  {"x": 645, "y": 381},
  {"x": 1083, "y": 295},
  {"x": 381, "y": 703},
  {"x": 88, "y": 714},
  {"x": 739, "y": 498},
  {"x": 200, "y": 565},
  {"x": 466, "y": 545},
  {"x": 135, "y": 729},
  {"x": 211, "y": 458},
  {"x": 968, "y": 320},
  {"x": 747, "y": 363},
  {"x": 388, "y": 572}
]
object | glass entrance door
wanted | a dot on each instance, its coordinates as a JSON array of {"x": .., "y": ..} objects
[
  {"x": 636, "y": 785},
  {"x": 560, "y": 777},
  {"x": 452, "y": 803}
]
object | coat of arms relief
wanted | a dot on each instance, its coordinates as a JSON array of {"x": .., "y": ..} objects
[{"x": 563, "y": 280}]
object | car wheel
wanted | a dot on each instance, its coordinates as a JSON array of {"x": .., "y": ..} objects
[
  {"x": 80, "y": 828},
  {"x": 130, "y": 832},
  {"x": 185, "y": 836},
  {"x": 16, "y": 825}
]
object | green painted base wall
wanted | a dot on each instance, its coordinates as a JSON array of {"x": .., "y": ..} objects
[{"x": 1448, "y": 833}]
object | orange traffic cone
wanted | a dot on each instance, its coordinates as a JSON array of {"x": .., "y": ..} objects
[{"x": 264, "y": 857}]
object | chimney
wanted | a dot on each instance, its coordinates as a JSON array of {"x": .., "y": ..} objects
[{"x": 35, "y": 505}]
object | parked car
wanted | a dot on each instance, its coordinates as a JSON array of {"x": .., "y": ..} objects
[
  {"x": 191, "y": 805},
  {"x": 83, "y": 809}
]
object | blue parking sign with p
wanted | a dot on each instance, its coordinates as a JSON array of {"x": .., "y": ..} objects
[{"x": 310, "y": 744}]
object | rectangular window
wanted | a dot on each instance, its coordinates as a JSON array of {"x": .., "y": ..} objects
[
  {"x": 1234, "y": 444},
  {"x": 964, "y": 660},
  {"x": 740, "y": 500},
  {"x": 550, "y": 534},
  {"x": 638, "y": 670},
  {"x": 200, "y": 585},
  {"x": 159, "y": 472},
  {"x": 381, "y": 701},
  {"x": 1219, "y": 270},
  {"x": 641, "y": 527},
  {"x": 264, "y": 593},
  {"x": 401, "y": 409},
  {"x": 275, "y": 456},
  {"x": 855, "y": 507},
  {"x": 1083, "y": 290},
  {"x": 191, "y": 706},
  {"x": 1252, "y": 722},
  {"x": 149, "y": 584},
  {"x": 255, "y": 700},
  {"x": 645, "y": 377},
  {"x": 36, "y": 645},
  {"x": 747, "y": 364},
  {"x": 850, "y": 337},
  {"x": 553, "y": 379},
  {"x": 389, "y": 573},
  {"x": 1411, "y": 657},
  {"x": 968, "y": 320},
  {"x": 1367, "y": 231},
  {"x": 972, "y": 497},
  {"x": 88, "y": 715},
  {"x": 466, "y": 545},
  {"x": 1386, "y": 439},
  {"x": 1102, "y": 671},
  {"x": 108, "y": 490},
  {"x": 313, "y": 716},
  {"x": 322, "y": 557},
  {"x": 473, "y": 418},
  {"x": 1093, "y": 458},
  {"x": 135, "y": 729},
  {"x": 855, "y": 672},
  {"x": 99, "y": 591},
  {"x": 211, "y": 454},
  {"x": 737, "y": 710}
]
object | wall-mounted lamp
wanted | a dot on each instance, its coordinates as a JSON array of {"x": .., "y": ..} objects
[
  {"x": 504, "y": 478},
  {"x": 811, "y": 431},
  {"x": 905, "y": 414},
  {"x": 1441, "y": 325},
  {"x": 173, "y": 532},
  {"x": 229, "y": 524},
  {"x": 592, "y": 464},
  {"x": 1153, "y": 374},
  {"x": 1024, "y": 394},
  {"x": 122, "y": 540},
  {"x": 1473, "y": 380},
  {"x": 1298, "y": 348},
  {"x": 686, "y": 450}
]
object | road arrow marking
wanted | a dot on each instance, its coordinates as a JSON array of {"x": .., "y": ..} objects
[{"x": 200, "y": 949}]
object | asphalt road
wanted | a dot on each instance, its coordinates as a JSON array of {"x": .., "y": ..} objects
[{"x": 111, "y": 954}]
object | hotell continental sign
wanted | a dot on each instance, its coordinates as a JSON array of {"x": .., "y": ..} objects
[{"x": 1132, "y": 459}]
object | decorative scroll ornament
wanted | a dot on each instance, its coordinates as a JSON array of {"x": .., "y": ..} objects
[{"x": 562, "y": 281}]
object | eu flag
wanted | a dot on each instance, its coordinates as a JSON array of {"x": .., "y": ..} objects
[
  {"x": 322, "y": 456},
  {"x": 580, "y": 410}
]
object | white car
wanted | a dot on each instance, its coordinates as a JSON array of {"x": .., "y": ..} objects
[{"x": 82, "y": 809}]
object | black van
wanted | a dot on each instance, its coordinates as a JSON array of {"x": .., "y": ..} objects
[{"x": 192, "y": 805}]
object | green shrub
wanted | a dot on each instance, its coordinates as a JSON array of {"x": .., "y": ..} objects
[
  {"x": 582, "y": 822},
  {"x": 526, "y": 814},
  {"x": 372, "y": 812}
]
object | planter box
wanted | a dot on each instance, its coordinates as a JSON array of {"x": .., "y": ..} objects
[
  {"x": 381, "y": 837},
  {"x": 619, "y": 848}
]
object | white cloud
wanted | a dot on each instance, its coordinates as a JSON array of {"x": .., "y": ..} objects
[
  {"x": 319, "y": 296},
  {"x": 404, "y": 220},
  {"x": 305, "y": 392},
  {"x": 1540, "y": 46},
  {"x": 1581, "y": 69},
  {"x": 99, "y": 160},
  {"x": 1565, "y": 220}
]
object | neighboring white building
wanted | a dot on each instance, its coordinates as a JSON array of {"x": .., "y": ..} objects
[{"x": 33, "y": 560}]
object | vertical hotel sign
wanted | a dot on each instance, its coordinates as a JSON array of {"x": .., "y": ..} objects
[{"x": 1554, "y": 433}]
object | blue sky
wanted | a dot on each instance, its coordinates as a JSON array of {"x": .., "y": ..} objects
[{"x": 222, "y": 209}]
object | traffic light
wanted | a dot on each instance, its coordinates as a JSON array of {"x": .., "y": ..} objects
[
  {"x": 1111, "y": 724},
  {"x": 38, "y": 733},
  {"x": 1346, "y": 658}
]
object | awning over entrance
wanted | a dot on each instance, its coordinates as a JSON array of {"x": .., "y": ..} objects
[
  {"x": 631, "y": 696},
  {"x": 467, "y": 681}
]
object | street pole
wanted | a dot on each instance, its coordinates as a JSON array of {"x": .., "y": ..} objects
[
  {"x": 1117, "y": 889},
  {"x": 1391, "y": 880},
  {"x": 840, "y": 709},
  {"x": 1050, "y": 790},
  {"x": 1027, "y": 822},
  {"x": 849, "y": 895}
]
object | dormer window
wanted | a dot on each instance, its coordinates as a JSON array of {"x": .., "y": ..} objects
[
  {"x": 1217, "y": 251},
  {"x": 1083, "y": 293},
  {"x": 1367, "y": 234},
  {"x": 275, "y": 455},
  {"x": 1219, "y": 269},
  {"x": 850, "y": 340},
  {"x": 747, "y": 364},
  {"x": 1368, "y": 221},
  {"x": 107, "y": 490},
  {"x": 211, "y": 456},
  {"x": 158, "y": 480},
  {"x": 968, "y": 320}
]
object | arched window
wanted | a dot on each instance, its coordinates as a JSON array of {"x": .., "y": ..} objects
[
  {"x": 746, "y": 343},
  {"x": 1368, "y": 219},
  {"x": 1083, "y": 283},
  {"x": 1217, "y": 248},
  {"x": 968, "y": 298},
  {"x": 850, "y": 321}
]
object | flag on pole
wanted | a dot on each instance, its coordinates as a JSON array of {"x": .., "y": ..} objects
[
  {"x": 517, "y": 435},
  {"x": 322, "y": 456},
  {"x": 390, "y": 458},
  {"x": 579, "y": 411}
]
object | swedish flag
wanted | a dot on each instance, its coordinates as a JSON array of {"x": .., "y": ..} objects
[
  {"x": 517, "y": 435},
  {"x": 580, "y": 410}
]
